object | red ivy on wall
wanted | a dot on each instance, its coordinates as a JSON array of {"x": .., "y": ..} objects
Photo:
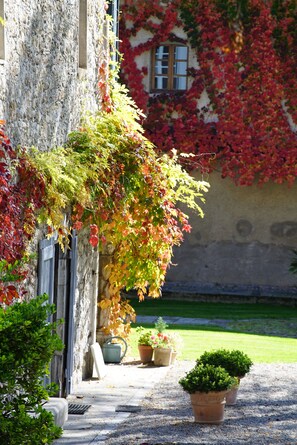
[
  {"x": 247, "y": 55},
  {"x": 21, "y": 192}
]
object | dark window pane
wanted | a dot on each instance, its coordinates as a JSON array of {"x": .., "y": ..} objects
[
  {"x": 162, "y": 52},
  {"x": 179, "y": 83},
  {"x": 161, "y": 83},
  {"x": 180, "y": 68},
  {"x": 161, "y": 67}
]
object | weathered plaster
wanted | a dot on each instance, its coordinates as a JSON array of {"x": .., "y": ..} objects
[{"x": 245, "y": 239}]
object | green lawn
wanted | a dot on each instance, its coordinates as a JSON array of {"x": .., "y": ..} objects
[
  {"x": 261, "y": 348},
  {"x": 193, "y": 309},
  {"x": 254, "y": 337}
]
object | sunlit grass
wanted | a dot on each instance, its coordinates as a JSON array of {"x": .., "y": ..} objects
[
  {"x": 197, "y": 339},
  {"x": 261, "y": 348}
]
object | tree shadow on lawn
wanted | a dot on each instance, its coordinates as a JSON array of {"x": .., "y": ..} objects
[
  {"x": 274, "y": 327},
  {"x": 286, "y": 328}
]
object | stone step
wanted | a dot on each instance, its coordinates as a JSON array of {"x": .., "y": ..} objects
[{"x": 59, "y": 408}]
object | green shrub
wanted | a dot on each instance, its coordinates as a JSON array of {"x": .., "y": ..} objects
[
  {"x": 28, "y": 342},
  {"x": 206, "y": 378},
  {"x": 20, "y": 428},
  {"x": 236, "y": 362}
]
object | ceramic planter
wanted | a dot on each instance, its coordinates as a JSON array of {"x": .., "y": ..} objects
[
  {"x": 173, "y": 357},
  {"x": 208, "y": 407},
  {"x": 162, "y": 356},
  {"x": 145, "y": 353}
]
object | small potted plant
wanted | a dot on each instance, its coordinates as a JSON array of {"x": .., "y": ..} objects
[
  {"x": 162, "y": 349},
  {"x": 160, "y": 325},
  {"x": 161, "y": 345},
  {"x": 236, "y": 363},
  {"x": 207, "y": 386},
  {"x": 145, "y": 344}
]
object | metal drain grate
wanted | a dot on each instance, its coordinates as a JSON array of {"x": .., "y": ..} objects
[{"x": 76, "y": 408}]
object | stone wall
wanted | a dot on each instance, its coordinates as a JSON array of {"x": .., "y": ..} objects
[
  {"x": 43, "y": 93},
  {"x": 85, "y": 311},
  {"x": 243, "y": 244}
]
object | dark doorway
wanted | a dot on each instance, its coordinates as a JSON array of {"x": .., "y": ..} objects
[{"x": 57, "y": 278}]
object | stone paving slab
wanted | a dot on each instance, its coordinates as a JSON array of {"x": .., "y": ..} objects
[{"x": 125, "y": 384}]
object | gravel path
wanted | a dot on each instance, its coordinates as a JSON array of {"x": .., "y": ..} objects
[{"x": 265, "y": 413}]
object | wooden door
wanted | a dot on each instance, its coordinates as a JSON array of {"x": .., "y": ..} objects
[{"x": 57, "y": 278}]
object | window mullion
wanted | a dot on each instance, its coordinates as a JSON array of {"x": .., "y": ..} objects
[
  {"x": 153, "y": 73},
  {"x": 170, "y": 67}
]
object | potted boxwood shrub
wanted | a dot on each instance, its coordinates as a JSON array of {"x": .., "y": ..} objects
[
  {"x": 207, "y": 386},
  {"x": 236, "y": 363},
  {"x": 145, "y": 345}
]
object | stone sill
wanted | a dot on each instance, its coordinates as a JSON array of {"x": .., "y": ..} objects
[
  {"x": 59, "y": 408},
  {"x": 82, "y": 73}
]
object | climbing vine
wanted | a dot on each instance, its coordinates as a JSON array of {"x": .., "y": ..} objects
[
  {"x": 107, "y": 179},
  {"x": 21, "y": 196},
  {"x": 246, "y": 51},
  {"x": 129, "y": 200}
]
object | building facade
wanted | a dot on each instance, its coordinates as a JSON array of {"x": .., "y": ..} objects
[
  {"x": 50, "y": 57},
  {"x": 244, "y": 243}
]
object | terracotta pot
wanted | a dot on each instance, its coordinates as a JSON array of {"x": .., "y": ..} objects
[
  {"x": 162, "y": 356},
  {"x": 208, "y": 407},
  {"x": 231, "y": 395},
  {"x": 145, "y": 353}
]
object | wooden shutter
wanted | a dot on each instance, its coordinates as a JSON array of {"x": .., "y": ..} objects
[{"x": 46, "y": 268}]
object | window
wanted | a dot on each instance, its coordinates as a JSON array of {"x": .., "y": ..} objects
[
  {"x": 2, "y": 35},
  {"x": 113, "y": 13},
  {"x": 83, "y": 30},
  {"x": 169, "y": 68}
]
